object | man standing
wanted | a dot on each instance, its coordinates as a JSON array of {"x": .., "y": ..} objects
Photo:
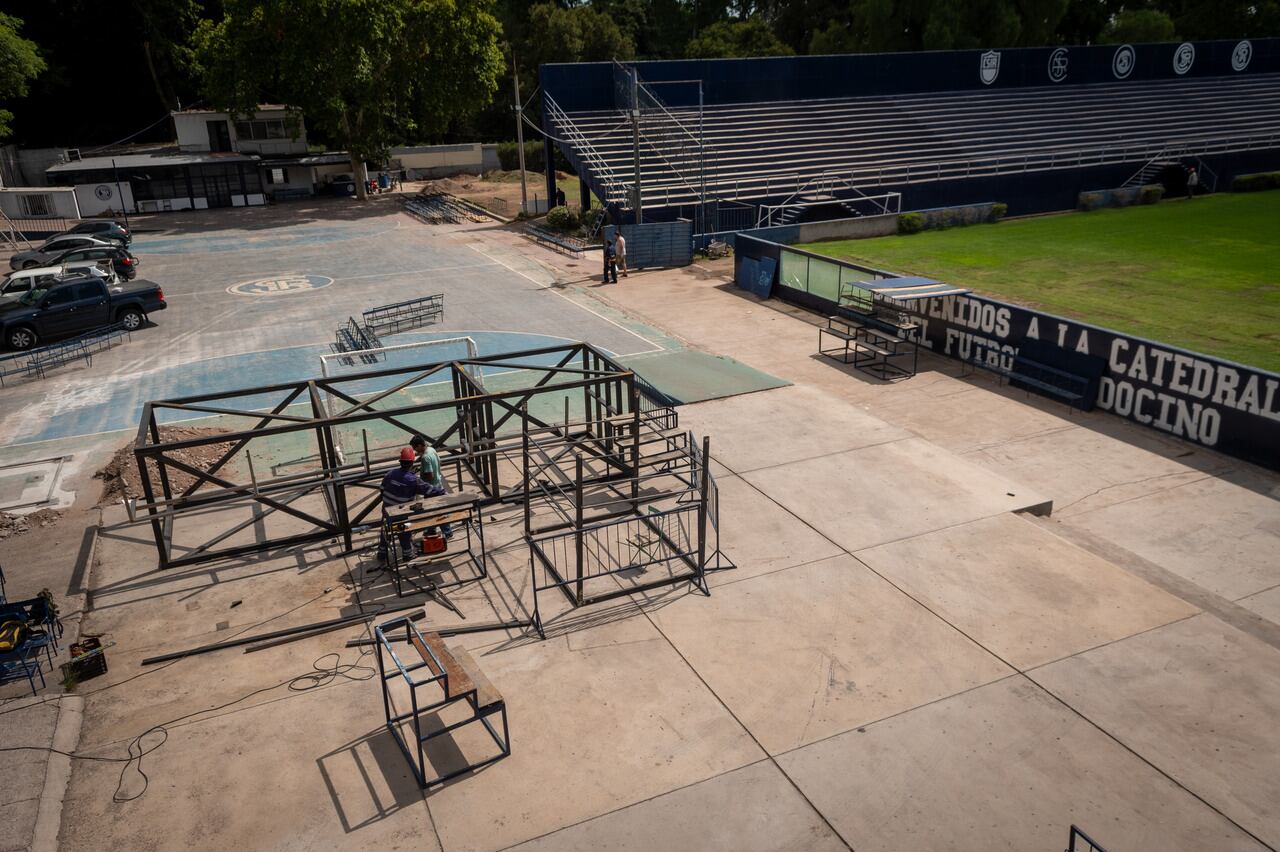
[
  {"x": 1193, "y": 180},
  {"x": 610, "y": 262},
  {"x": 620, "y": 246},
  {"x": 401, "y": 486},
  {"x": 429, "y": 472}
]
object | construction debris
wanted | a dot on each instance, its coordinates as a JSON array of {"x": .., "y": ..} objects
[
  {"x": 14, "y": 525},
  {"x": 120, "y": 476}
]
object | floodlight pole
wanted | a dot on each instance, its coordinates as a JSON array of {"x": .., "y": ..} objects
[{"x": 524, "y": 193}]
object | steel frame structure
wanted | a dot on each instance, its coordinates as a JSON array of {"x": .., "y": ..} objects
[{"x": 484, "y": 426}]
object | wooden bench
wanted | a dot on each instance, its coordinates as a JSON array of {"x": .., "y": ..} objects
[
  {"x": 457, "y": 508},
  {"x": 452, "y": 677}
]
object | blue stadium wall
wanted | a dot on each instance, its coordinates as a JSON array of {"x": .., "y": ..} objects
[{"x": 590, "y": 86}]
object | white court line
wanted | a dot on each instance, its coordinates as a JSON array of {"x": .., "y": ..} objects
[{"x": 654, "y": 346}]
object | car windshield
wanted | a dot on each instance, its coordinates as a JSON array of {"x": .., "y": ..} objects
[{"x": 33, "y": 295}]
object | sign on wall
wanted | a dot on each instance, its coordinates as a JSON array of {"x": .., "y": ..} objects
[{"x": 1231, "y": 408}]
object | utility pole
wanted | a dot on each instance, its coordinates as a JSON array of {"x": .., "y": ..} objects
[
  {"x": 123, "y": 207},
  {"x": 524, "y": 192}
]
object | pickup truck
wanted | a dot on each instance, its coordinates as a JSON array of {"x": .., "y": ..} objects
[{"x": 74, "y": 306}]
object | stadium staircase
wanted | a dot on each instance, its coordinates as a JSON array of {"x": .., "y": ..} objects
[{"x": 768, "y": 153}]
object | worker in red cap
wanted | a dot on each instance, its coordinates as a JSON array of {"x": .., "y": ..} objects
[{"x": 401, "y": 485}]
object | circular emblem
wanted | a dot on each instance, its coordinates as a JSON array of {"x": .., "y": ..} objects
[
  {"x": 103, "y": 192},
  {"x": 1123, "y": 61},
  {"x": 1058, "y": 65},
  {"x": 279, "y": 285},
  {"x": 1241, "y": 55},
  {"x": 1184, "y": 57}
]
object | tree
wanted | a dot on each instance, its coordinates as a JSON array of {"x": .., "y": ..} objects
[
  {"x": 364, "y": 73},
  {"x": 20, "y": 62},
  {"x": 1138, "y": 25},
  {"x": 736, "y": 38},
  {"x": 580, "y": 34}
]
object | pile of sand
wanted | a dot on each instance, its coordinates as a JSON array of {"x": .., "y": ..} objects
[
  {"x": 120, "y": 478},
  {"x": 12, "y": 525}
]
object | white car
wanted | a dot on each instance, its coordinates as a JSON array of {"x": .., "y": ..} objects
[{"x": 24, "y": 280}]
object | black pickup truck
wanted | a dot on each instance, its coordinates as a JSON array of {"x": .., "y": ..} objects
[{"x": 74, "y": 306}]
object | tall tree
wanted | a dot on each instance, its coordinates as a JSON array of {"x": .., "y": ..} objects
[
  {"x": 580, "y": 34},
  {"x": 1138, "y": 25},
  {"x": 365, "y": 73},
  {"x": 20, "y": 62},
  {"x": 736, "y": 38}
]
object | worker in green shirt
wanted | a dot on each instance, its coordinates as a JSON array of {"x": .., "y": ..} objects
[{"x": 429, "y": 470}]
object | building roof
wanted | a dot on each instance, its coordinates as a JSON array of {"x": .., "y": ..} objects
[
  {"x": 134, "y": 161},
  {"x": 326, "y": 158},
  {"x": 261, "y": 108}
]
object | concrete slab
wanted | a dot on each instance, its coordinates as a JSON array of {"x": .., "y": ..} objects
[
  {"x": 1212, "y": 531},
  {"x": 256, "y": 777},
  {"x": 887, "y": 492},
  {"x": 1022, "y": 592},
  {"x": 1265, "y": 604},
  {"x": 1003, "y": 767},
  {"x": 24, "y": 721},
  {"x": 753, "y": 809},
  {"x": 1198, "y": 700},
  {"x": 602, "y": 718},
  {"x": 784, "y": 425},
  {"x": 1106, "y": 467},
  {"x": 802, "y": 654},
  {"x": 760, "y": 537}
]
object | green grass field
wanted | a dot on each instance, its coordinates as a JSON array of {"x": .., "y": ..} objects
[{"x": 1202, "y": 274}]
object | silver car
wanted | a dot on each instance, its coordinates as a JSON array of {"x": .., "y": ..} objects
[{"x": 53, "y": 248}]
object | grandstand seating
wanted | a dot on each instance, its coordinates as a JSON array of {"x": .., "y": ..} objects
[{"x": 838, "y": 148}]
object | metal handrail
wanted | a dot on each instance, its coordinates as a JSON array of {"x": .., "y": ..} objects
[{"x": 593, "y": 157}]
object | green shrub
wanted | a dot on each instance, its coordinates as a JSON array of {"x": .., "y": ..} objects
[
  {"x": 910, "y": 223},
  {"x": 1150, "y": 194},
  {"x": 1092, "y": 200},
  {"x": 563, "y": 219},
  {"x": 1256, "y": 182},
  {"x": 997, "y": 211}
]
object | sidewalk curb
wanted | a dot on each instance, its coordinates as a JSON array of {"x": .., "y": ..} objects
[{"x": 66, "y": 737}]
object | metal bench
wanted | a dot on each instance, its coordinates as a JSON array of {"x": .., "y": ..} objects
[
  {"x": 1023, "y": 372},
  {"x": 400, "y": 316},
  {"x": 450, "y": 677},
  {"x": 868, "y": 349}
]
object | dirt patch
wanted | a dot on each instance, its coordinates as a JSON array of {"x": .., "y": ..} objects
[
  {"x": 13, "y": 525},
  {"x": 498, "y": 191},
  {"x": 120, "y": 478}
]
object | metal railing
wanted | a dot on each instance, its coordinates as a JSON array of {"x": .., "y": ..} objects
[{"x": 615, "y": 189}]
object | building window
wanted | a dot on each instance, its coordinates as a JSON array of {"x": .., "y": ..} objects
[
  {"x": 275, "y": 176},
  {"x": 36, "y": 205},
  {"x": 260, "y": 129}
]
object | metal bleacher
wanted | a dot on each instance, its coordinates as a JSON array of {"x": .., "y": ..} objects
[{"x": 836, "y": 148}]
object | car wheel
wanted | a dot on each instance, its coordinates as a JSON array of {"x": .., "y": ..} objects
[
  {"x": 20, "y": 338},
  {"x": 30, "y": 264},
  {"x": 131, "y": 319}
]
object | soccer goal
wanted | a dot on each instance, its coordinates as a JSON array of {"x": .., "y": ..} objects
[{"x": 340, "y": 365}]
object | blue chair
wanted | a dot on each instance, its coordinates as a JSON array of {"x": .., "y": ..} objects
[{"x": 24, "y": 662}]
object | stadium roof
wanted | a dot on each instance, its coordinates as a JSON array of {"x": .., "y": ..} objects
[{"x": 911, "y": 288}]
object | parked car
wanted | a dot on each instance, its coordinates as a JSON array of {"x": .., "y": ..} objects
[
  {"x": 52, "y": 248},
  {"x": 103, "y": 229},
  {"x": 24, "y": 280},
  {"x": 74, "y": 306},
  {"x": 123, "y": 261}
]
